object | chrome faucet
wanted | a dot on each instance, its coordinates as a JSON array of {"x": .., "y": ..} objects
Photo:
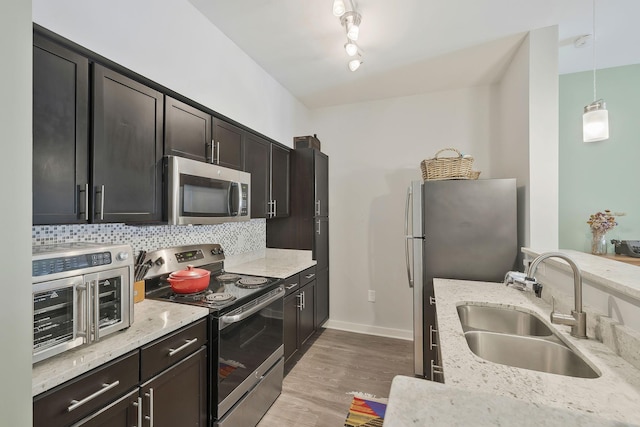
[{"x": 577, "y": 319}]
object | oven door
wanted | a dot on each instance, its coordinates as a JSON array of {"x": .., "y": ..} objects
[
  {"x": 249, "y": 344},
  {"x": 109, "y": 302},
  {"x": 56, "y": 316}
]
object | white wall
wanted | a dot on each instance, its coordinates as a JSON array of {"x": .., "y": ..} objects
[
  {"x": 543, "y": 137},
  {"x": 375, "y": 150},
  {"x": 15, "y": 218},
  {"x": 173, "y": 44},
  {"x": 526, "y": 136}
]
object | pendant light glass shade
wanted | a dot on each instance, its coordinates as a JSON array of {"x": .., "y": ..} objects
[
  {"x": 339, "y": 8},
  {"x": 351, "y": 48},
  {"x": 595, "y": 122}
]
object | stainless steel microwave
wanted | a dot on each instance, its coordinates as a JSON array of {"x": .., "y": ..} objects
[{"x": 203, "y": 193}]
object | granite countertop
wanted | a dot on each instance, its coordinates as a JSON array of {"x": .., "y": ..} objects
[
  {"x": 612, "y": 396},
  {"x": 418, "y": 402},
  {"x": 279, "y": 263},
  {"x": 152, "y": 320},
  {"x": 621, "y": 277}
]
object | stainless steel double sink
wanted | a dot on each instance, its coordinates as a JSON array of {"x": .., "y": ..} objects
[{"x": 519, "y": 338}]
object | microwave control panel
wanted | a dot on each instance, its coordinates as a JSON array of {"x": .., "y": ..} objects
[{"x": 44, "y": 267}]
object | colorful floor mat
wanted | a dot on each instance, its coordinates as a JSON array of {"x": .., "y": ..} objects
[{"x": 366, "y": 412}]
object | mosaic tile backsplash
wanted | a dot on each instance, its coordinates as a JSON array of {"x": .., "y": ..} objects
[{"x": 235, "y": 237}]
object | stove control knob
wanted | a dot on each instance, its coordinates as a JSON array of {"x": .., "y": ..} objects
[
  {"x": 221, "y": 251},
  {"x": 159, "y": 261},
  {"x": 122, "y": 256},
  {"x": 214, "y": 251}
]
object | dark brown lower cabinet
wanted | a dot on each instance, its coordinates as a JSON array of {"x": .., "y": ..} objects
[
  {"x": 322, "y": 297},
  {"x": 299, "y": 312},
  {"x": 307, "y": 312},
  {"x": 178, "y": 396},
  {"x": 112, "y": 396},
  {"x": 123, "y": 412}
]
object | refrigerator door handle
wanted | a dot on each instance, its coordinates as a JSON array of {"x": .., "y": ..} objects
[{"x": 408, "y": 237}]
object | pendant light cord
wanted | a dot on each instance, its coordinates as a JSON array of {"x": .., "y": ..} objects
[{"x": 594, "y": 50}]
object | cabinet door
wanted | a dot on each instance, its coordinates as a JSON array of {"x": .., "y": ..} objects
[
  {"x": 322, "y": 297},
  {"x": 256, "y": 162},
  {"x": 60, "y": 134},
  {"x": 127, "y": 149},
  {"x": 96, "y": 389},
  {"x": 280, "y": 181},
  {"x": 321, "y": 242},
  {"x": 291, "y": 309},
  {"x": 227, "y": 144},
  {"x": 124, "y": 412},
  {"x": 307, "y": 316},
  {"x": 187, "y": 131},
  {"x": 178, "y": 396},
  {"x": 321, "y": 178}
]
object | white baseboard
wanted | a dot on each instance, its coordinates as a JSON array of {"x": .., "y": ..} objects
[{"x": 368, "y": 329}]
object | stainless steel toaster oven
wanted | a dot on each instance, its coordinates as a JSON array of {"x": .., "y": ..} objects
[{"x": 82, "y": 292}]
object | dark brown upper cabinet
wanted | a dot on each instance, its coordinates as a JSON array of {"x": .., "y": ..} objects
[
  {"x": 60, "y": 134},
  {"x": 268, "y": 165},
  {"x": 279, "y": 182},
  {"x": 256, "y": 162},
  {"x": 226, "y": 149},
  {"x": 187, "y": 131},
  {"x": 127, "y": 149}
]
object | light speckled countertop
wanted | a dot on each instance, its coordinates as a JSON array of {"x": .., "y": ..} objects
[
  {"x": 614, "y": 395},
  {"x": 152, "y": 320},
  {"x": 621, "y": 277},
  {"x": 417, "y": 402},
  {"x": 279, "y": 263}
]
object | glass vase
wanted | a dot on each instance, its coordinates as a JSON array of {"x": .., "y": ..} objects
[{"x": 598, "y": 243}]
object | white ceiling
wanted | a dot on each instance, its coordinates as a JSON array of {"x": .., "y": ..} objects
[{"x": 415, "y": 46}]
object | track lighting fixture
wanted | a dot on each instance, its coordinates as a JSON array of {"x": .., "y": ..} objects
[{"x": 350, "y": 19}]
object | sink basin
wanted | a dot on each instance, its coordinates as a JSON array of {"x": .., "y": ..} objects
[
  {"x": 501, "y": 319},
  {"x": 529, "y": 352}
]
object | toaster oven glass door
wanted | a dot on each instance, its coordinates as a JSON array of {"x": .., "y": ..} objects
[
  {"x": 56, "y": 316},
  {"x": 108, "y": 301}
]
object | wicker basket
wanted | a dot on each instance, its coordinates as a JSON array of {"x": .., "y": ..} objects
[
  {"x": 439, "y": 168},
  {"x": 474, "y": 175}
]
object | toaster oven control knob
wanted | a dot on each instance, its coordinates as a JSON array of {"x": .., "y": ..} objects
[{"x": 122, "y": 256}]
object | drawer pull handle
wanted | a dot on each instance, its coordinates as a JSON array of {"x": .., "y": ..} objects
[
  {"x": 187, "y": 343},
  {"x": 309, "y": 276},
  {"x": 291, "y": 286},
  {"x": 105, "y": 388}
]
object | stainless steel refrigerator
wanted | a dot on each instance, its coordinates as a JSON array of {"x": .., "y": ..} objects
[{"x": 455, "y": 229}]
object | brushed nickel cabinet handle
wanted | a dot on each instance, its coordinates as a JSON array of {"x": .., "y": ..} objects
[
  {"x": 182, "y": 347},
  {"x": 150, "y": 416},
  {"x": 291, "y": 286},
  {"x": 75, "y": 404}
]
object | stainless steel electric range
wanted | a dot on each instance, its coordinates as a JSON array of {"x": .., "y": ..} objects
[{"x": 245, "y": 331}]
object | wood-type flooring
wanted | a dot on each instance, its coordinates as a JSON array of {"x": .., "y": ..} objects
[{"x": 315, "y": 391}]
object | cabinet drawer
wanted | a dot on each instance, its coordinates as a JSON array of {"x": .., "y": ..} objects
[
  {"x": 161, "y": 354},
  {"x": 291, "y": 283},
  {"x": 307, "y": 275},
  {"x": 78, "y": 398}
]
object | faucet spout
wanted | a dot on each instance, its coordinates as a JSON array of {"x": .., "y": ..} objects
[{"x": 577, "y": 319}]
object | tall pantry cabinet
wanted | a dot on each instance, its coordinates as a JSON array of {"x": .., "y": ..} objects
[{"x": 307, "y": 226}]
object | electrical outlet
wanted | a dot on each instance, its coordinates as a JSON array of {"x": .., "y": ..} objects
[{"x": 372, "y": 295}]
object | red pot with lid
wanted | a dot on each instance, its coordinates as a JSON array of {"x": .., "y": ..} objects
[{"x": 189, "y": 280}]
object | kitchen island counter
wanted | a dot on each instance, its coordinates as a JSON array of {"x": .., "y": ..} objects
[
  {"x": 152, "y": 320},
  {"x": 279, "y": 263},
  {"x": 614, "y": 395}
]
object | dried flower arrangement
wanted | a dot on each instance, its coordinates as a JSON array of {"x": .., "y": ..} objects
[{"x": 601, "y": 222}]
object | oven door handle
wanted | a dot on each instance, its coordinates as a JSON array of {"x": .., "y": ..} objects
[{"x": 229, "y": 319}]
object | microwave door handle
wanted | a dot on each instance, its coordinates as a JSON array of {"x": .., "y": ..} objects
[{"x": 239, "y": 192}]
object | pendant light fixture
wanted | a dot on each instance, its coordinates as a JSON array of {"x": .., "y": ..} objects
[{"x": 595, "y": 120}]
